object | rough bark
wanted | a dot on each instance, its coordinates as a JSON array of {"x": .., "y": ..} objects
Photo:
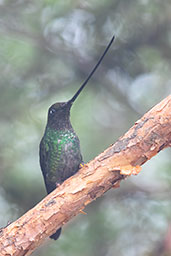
[{"x": 145, "y": 139}]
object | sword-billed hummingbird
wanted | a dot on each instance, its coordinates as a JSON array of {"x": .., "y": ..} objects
[{"x": 60, "y": 154}]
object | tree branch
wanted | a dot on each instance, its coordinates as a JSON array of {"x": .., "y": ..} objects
[{"x": 145, "y": 139}]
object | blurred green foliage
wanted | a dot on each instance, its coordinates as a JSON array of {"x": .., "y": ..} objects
[{"x": 47, "y": 49}]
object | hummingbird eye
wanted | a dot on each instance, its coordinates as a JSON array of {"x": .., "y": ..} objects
[{"x": 52, "y": 111}]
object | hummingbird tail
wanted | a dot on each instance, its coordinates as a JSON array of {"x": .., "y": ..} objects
[{"x": 56, "y": 235}]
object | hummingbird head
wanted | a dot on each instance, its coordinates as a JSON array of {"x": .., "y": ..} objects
[{"x": 59, "y": 115}]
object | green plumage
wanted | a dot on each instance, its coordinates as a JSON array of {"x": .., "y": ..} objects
[{"x": 60, "y": 156}]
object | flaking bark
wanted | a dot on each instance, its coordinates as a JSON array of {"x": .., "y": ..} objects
[{"x": 146, "y": 138}]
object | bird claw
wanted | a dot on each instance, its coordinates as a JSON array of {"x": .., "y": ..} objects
[{"x": 82, "y": 165}]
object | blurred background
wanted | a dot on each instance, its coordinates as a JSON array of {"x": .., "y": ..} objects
[{"x": 47, "y": 49}]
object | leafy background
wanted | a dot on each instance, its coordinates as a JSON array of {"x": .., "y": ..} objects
[{"x": 47, "y": 49}]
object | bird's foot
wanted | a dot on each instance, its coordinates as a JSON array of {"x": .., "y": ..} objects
[{"x": 82, "y": 165}]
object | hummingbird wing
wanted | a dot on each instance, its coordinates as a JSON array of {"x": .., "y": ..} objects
[
  {"x": 44, "y": 156},
  {"x": 44, "y": 153}
]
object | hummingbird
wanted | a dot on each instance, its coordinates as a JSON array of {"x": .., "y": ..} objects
[{"x": 59, "y": 150}]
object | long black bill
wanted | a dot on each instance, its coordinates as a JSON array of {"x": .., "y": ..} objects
[{"x": 92, "y": 72}]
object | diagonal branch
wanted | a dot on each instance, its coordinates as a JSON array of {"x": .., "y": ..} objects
[{"x": 145, "y": 139}]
